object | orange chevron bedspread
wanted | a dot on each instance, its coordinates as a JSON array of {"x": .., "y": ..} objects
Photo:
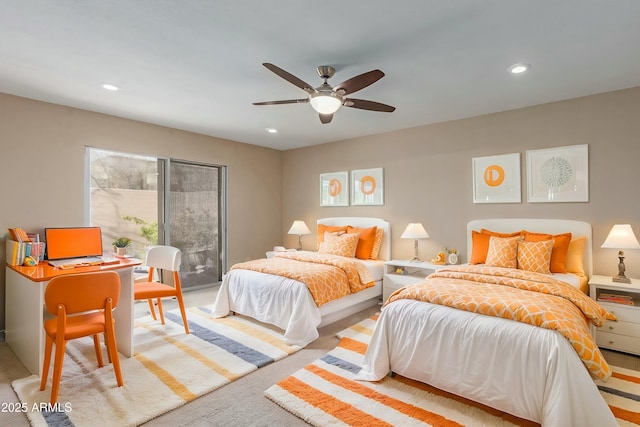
[
  {"x": 328, "y": 277},
  {"x": 527, "y": 297}
]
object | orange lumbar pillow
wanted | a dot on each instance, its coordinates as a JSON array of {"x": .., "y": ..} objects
[{"x": 366, "y": 241}]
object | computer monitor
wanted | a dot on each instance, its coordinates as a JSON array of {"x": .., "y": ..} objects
[{"x": 73, "y": 242}]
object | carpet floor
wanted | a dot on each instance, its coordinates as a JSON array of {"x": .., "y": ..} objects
[
  {"x": 169, "y": 369},
  {"x": 324, "y": 393}
]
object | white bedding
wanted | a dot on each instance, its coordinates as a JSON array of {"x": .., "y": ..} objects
[
  {"x": 288, "y": 304},
  {"x": 527, "y": 371}
]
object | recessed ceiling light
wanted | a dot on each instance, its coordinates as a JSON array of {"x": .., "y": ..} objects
[
  {"x": 519, "y": 68},
  {"x": 271, "y": 130},
  {"x": 111, "y": 87}
]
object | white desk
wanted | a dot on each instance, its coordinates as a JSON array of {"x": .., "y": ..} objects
[{"x": 25, "y": 311}]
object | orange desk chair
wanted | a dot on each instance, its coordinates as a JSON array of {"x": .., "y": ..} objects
[
  {"x": 165, "y": 258},
  {"x": 83, "y": 305}
]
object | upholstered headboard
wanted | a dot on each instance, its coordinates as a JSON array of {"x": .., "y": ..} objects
[
  {"x": 363, "y": 222},
  {"x": 549, "y": 226}
]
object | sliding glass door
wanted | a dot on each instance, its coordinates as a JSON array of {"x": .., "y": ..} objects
[
  {"x": 193, "y": 220},
  {"x": 160, "y": 201}
]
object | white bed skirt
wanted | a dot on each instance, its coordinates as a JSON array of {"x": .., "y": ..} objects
[
  {"x": 285, "y": 303},
  {"x": 524, "y": 370}
]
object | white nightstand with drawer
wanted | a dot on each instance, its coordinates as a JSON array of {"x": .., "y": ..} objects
[
  {"x": 623, "y": 300},
  {"x": 413, "y": 272}
]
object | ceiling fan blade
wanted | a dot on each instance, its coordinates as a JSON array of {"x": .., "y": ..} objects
[
  {"x": 326, "y": 118},
  {"x": 363, "y": 104},
  {"x": 290, "y": 77},
  {"x": 285, "y": 101},
  {"x": 356, "y": 83}
]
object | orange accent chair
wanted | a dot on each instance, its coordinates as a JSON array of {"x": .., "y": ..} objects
[
  {"x": 83, "y": 305},
  {"x": 164, "y": 258}
]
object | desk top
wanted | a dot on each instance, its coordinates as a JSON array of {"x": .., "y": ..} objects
[{"x": 43, "y": 271}]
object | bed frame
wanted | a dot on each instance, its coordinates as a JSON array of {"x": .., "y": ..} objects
[
  {"x": 549, "y": 226},
  {"x": 354, "y": 303}
]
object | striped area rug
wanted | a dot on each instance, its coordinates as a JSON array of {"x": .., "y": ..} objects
[
  {"x": 325, "y": 394},
  {"x": 169, "y": 369}
]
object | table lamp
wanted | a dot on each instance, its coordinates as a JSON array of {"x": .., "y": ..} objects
[
  {"x": 621, "y": 237},
  {"x": 415, "y": 231},
  {"x": 300, "y": 228}
]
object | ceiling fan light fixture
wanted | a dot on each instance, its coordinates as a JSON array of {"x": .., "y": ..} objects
[{"x": 325, "y": 103}]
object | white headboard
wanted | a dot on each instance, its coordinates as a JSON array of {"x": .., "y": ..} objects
[
  {"x": 363, "y": 222},
  {"x": 549, "y": 226}
]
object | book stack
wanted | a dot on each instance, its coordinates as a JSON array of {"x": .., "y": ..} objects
[
  {"x": 615, "y": 298},
  {"x": 18, "y": 247}
]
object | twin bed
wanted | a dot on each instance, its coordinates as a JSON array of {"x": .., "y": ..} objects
[
  {"x": 533, "y": 372},
  {"x": 288, "y": 304},
  {"x": 472, "y": 348}
]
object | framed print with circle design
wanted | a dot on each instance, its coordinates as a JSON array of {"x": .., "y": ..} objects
[
  {"x": 496, "y": 179},
  {"x": 558, "y": 174},
  {"x": 367, "y": 186},
  {"x": 334, "y": 189}
]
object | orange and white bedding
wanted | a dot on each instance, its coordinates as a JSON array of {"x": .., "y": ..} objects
[
  {"x": 495, "y": 291},
  {"x": 328, "y": 277},
  {"x": 287, "y": 299},
  {"x": 511, "y": 339}
]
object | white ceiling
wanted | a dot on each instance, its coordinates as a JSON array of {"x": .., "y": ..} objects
[{"x": 196, "y": 64}]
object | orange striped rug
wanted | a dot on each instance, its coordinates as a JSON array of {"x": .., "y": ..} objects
[
  {"x": 169, "y": 369},
  {"x": 324, "y": 393}
]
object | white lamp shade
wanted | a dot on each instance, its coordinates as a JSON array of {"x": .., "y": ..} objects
[
  {"x": 299, "y": 227},
  {"x": 325, "y": 103},
  {"x": 621, "y": 236},
  {"x": 414, "y": 230}
]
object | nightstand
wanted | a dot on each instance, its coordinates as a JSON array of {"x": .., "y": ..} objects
[
  {"x": 623, "y": 300},
  {"x": 414, "y": 272}
]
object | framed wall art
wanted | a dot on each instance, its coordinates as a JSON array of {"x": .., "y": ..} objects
[
  {"x": 558, "y": 174},
  {"x": 496, "y": 179},
  {"x": 367, "y": 186},
  {"x": 334, "y": 189}
]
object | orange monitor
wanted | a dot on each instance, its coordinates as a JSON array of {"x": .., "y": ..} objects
[{"x": 73, "y": 242}]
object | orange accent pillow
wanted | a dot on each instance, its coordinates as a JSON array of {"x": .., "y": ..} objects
[
  {"x": 535, "y": 256},
  {"x": 331, "y": 229},
  {"x": 574, "y": 256},
  {"x": 480, "y": 244},
  {"x": 344, "y": 244},
  {"x": 375, "y": 251},
  {"x": 503, "y": 252},
  {"x": 560, "y": 246},
  {"x": 366, "y": 242}
]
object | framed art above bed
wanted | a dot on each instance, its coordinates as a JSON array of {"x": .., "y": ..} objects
[
  {"x": 558, "y": 174},
  {"x": 496, "y": 179},
  {"x": 334, "y": 189}
]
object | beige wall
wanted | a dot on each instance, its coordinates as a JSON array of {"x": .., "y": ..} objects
[
  {"x": 42, "y": 166},
  {"x": 427, "y": 173}
]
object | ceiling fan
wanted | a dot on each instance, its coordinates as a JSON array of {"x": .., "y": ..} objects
[{"x": 325, "y": 99}]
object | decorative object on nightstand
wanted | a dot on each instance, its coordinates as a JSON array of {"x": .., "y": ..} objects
[
  {"x": 300, "y": 228},
  {"x": 415, "y": 231},
  {"x": 452, "y": 257},
  {"x": 621, "y": 237}
]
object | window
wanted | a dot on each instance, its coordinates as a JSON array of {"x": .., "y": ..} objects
[{"x": 160, "y": 201}]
